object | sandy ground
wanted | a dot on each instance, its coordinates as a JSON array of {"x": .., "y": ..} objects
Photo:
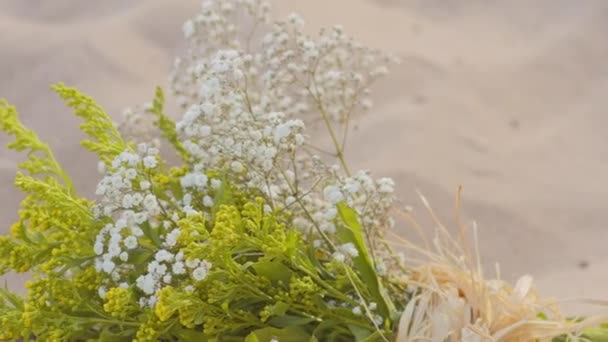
[{"x": 508, "y": 99}]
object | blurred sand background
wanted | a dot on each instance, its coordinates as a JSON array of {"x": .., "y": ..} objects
[{"x": 507, "y": 98}]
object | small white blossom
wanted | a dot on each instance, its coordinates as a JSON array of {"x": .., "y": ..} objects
[
  {"x": 208, "y": 201},
  {"x": 124, "y": 256},
  {"x": 339, "y": 257},
  {"x": 131, "y": 174},
  {"x": 236, "y": 166},
  {"x": 199, "y": 273},
  {"x": 386, "y": 185},
  {"x": 144, "y": 185},
  {"x": 150, "y": 162},
  {"x": 102, "y": 291},
  {"x": 163, "y": 255},
  {"x": 130, "y": 242},
  {"x": 194, "y": 180},
  {"x": 216, "y": 184},
  {"x": 171, "y": 238},
  {"x": 98, "y": 247},
  {"x": 178, "y": 268},
  {"x": 188, "y": 29},
  {"x": 192, "y": 263},
  {"x": 152, "y": 301},
  {"x": 108, "y": 266},
  {"x": 333, "y": 194},
  {"x": 136, "y": 231},
  {"x": 349, "y": 249}
]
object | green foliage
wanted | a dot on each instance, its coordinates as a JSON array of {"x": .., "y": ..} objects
[
  {"x": 40, "y": 157},
  {"x": 351, "y": 232},
  {"x": 166, "y": 125},
  {"x": 106, "y": 141}
]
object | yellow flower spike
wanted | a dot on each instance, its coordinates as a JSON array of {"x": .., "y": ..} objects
[
  {"x": 177, "y": 172},
  {"x": 150, "y": 330},
  {"x": 161, "y": 179},
  {"x": 106, "y": 140},
  {"x": 164, "y": 308},
  {"x": 119, "y": 302}
]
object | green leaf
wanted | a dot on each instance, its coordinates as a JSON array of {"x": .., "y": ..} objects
[
  {"x": 15, "y": 300},
  {"x": 166, "y": 125},
  {"x": 252, "y": 338},
  {"x": 223, "y": 195},
  {"x": 291, "y": 334},
  {"x": 279, "y": 309},
  {"x": 152, "y": 234},
  {"x": 273, "y": 270},
  {"x": 108, "y": 336},
  {"x": 140, "y": 256},
  {"x": 351, "y": 232},
  {"x": 359, "y": 333},
  {"x": 191, "y": 335},
  {"x": 289, "y": 321}
]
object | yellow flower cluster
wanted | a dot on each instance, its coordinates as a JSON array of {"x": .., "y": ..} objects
[{"x": 119, "y": 302}]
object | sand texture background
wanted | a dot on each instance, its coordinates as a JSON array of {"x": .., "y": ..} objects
[{"x": 507, "y": 98}]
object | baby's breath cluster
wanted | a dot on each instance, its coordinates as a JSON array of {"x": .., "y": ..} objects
[{"x": 249, "y": 85}]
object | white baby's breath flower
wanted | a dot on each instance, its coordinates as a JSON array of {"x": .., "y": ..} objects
[
  {"x": 236, "y": 166},
  {"x": 301, "y": 223},
  {"x": 194, "y": 180},
  {"x": 144, "y": 185},
  {"x": 102, "y": 291},
  {"x": 130, "y": 242},
  {"x": 208, "y": 201},
  {"x": 386, "y": 185},
  {"x": 333, "y": 194},
  {"x": 216, "y": 184},
  {"x": 192, "y": 263},
  {"x": 163, "y": 255},
  {"x": 188, "y": 29},
  {"x": 187, "y": 199},
  {"x": 108, "y": 266},
  {"x": 157, "y": 269},
  {"x": 339, "y": 257},
  {"x": 152, "y": 301},
  {"x": 178, "y": 268},
  {"x": 199, "y": 273},
  {"x": 124, "y": 256},
  {"x": 131, "y": 174},
  {"x": 150, "y": 162},
  {"x": 136, "y": 231},
  {"x": 171, "y": 238},
  {"x": 98, "y": 247},
  {"x": 349, "y": 249}
]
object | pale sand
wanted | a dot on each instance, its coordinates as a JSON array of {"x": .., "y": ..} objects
[{"x": 508, "y": 99}]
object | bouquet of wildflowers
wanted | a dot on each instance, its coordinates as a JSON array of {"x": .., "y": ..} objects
[{"x": 257, "y": 234}]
